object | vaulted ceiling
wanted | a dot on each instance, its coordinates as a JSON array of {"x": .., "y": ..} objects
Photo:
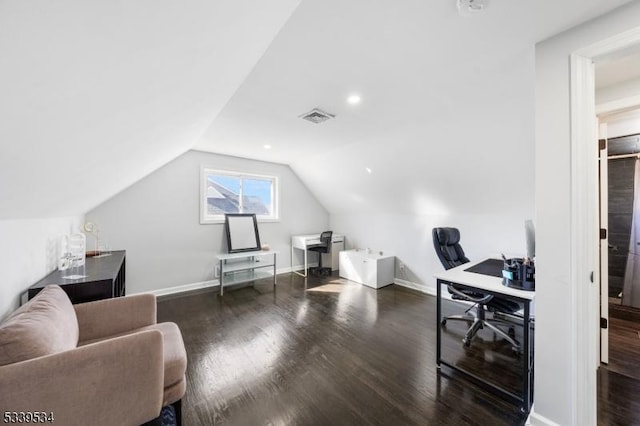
[
  {"x": 446, "y": 118},
  {"x": 95, "y": 95}
]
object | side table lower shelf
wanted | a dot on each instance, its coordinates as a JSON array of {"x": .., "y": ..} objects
[{"x": 236, "y": 268}]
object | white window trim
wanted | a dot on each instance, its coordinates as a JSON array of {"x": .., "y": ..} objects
[{"x": 206, "y": 219}]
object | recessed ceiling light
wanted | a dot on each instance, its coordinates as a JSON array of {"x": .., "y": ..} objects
[
  {"x": 368, "y": 170},
  {"x": 467, "y": 7},
  {"x": 353, "y": 99},
  {"x": 267, "y": 146}
]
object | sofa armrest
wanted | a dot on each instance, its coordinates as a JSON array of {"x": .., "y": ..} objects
[
  {"x": 113, "y": 382},
  {"x": 109, "y": 317}
]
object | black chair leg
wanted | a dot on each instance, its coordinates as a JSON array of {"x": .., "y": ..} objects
[{"x": 177, "y": 407}]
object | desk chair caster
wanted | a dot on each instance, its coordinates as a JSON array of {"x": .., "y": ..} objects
[
  {"x": 444, "y": 321},
  {"x": 320, "y": 272}
]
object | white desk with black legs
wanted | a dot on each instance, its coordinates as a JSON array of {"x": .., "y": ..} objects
[{"x": 491, "y": 285}]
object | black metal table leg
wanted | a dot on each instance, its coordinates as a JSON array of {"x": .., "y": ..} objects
[
  {"x": 526, "y": 362},
  {"x": 438, "y": 325}
]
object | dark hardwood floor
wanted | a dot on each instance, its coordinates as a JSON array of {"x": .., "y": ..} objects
[
  {"x": 624, "y": 347},
  {"x": 334, "y": 353},
  {"x": 619, "y": 381}
]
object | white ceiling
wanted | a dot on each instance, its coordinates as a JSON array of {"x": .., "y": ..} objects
[
  {"x": 617, "y": 81},
  {"x": 447, "y": 102},
  {"x": 95, "y": 95},
  {"x": 618, "y": 69}
]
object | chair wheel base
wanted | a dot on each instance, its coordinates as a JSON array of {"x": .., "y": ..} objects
[{"x": 320, "y": 272}]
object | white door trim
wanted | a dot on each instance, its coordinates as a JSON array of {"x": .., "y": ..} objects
[
  {"x": 584, "y": 266},
  {"x": 584, "y": 242},
  {"x": 604, "y": 242}
]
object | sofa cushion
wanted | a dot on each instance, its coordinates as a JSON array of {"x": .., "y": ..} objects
[
  {"x": 45, "y": 325},
  {"x": 174, "y": 354}
]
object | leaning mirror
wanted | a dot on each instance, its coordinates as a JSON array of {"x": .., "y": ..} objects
[{"x": 242, "y": 232}]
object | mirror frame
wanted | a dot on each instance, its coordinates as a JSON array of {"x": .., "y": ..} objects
[{"x": 232, "y": 249}]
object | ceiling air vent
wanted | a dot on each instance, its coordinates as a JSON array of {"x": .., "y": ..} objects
[{"x": 316, "y": 116}]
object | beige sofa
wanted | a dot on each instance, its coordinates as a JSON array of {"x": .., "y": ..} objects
[{"x": 99, "y": 363}]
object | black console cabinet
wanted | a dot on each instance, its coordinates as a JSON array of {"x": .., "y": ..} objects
[{"x": 103, "y": 279}]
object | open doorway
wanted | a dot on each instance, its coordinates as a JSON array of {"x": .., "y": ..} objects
[
  {"x": 583, "y": 267},
  {"x": 623, "y": 254},
  {"x": 617, "y": 83}
]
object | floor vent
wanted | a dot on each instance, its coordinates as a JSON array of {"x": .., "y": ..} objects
[{"x": 317, "y": 116}]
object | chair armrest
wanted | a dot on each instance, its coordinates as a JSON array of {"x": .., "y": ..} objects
[
  {"x": 113, "y": 382},
  {"x": 108, "y": 317}
]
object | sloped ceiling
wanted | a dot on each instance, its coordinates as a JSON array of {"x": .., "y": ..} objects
[
  {"x": 96, "y": 94},
  {"x": 446, "y": 118}
]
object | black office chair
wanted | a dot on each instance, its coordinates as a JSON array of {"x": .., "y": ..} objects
[
  {"x": 323, "y": 248},
  {"x": 447, "y": 244}
]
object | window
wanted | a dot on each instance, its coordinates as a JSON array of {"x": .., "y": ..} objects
[{"x": 233, "y": 192}]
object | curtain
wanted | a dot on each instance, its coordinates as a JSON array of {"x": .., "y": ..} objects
[{"x": 631, "y": 289}]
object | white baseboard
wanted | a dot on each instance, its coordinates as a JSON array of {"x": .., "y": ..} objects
[
  {"x": 298, "y": 267},
  {"x": 205, "y": 284},
  {"x": 431, "y": 291},
  {"x": 287, "y": 269},
  {"x": 415, "y": 286},
  {"x": 185, "y": 287},
  {"x": 536, "y": 419}
]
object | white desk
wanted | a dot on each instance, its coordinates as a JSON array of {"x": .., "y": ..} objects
[
  {"x": 491, "y": 285},
  {"x": 301, "y": 242}
]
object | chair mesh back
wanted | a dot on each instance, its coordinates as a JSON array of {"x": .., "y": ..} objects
[
  {"x": 325, "y": 238},
  {"x": 446, "y": 241}
]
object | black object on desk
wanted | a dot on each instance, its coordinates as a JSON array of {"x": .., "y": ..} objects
[
  {"x": 515, "y": 273},
  {"x": 491, "y": 267},
  {"x": 519, "y": 273},
  {"x": 103, "y": 278}
]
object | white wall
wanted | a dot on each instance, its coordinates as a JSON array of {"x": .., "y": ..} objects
[
  {"x": 624, "y": 98},
  {"x": 408, "y": 237},
  {"x": 157, "y": 221},
  {"x": 472, "y": 169},
  {"x": 555, "y": 387},
  {"x": 28, "y": 252},
  {"x": 627, "y": 89}
]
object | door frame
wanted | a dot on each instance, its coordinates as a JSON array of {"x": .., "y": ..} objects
[
  {"x": 584, "y": 305},
  {"x": 603, "y": 186}
]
